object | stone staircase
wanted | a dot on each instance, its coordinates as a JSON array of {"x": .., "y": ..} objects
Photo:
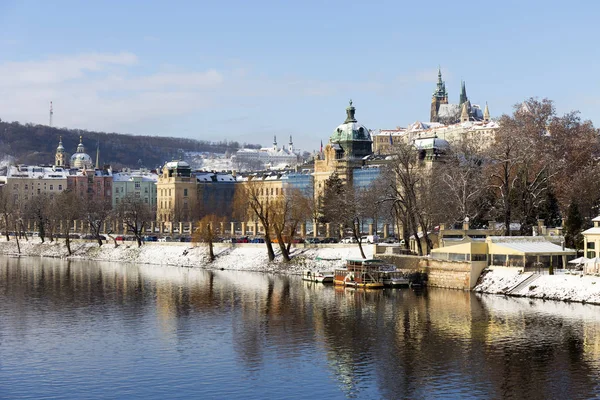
[{"x": 523, "y": 284}]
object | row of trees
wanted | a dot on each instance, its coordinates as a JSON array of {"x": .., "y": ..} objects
[
  {"x": 54, "y": 216},
  {"x": 540, "y": 165}
]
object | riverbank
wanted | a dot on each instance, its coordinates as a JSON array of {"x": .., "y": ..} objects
[
  {"x": 562, "y": 287},
  {"x": 243, "y": 257}
]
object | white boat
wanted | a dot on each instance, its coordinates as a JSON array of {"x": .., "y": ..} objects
[{"x": 318, "y": 276}]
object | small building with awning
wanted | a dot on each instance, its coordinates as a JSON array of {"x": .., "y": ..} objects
[{"x": 508, "y": 251}]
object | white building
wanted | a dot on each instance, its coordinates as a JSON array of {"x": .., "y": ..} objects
[
  {"x": 273, "y": 157},
  {"x": 138, "y": 183}
]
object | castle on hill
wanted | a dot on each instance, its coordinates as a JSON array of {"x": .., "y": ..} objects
[{"x": 449, "y": 113}]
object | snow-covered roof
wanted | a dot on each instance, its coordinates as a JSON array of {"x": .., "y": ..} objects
[
  {"x": 350, "y": 131},
  {"x": 131, "y": 176},
  {"x": 597, "y": 219},
  {"x": 215, "y": 177},
  {"x": 37, "y": 172},
  {"x": 536, "y": 247},
  {"x": 592, "y": 231},
  {"x": 177, "y": 164},
  {"x": 431, "y": 143}
]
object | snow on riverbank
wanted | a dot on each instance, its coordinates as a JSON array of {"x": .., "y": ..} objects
[
  {"x": 249, "y": 257},
  {"x": 585, "y": 289}
]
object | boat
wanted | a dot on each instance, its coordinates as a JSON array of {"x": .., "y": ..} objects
[
  {"x": 369, "y": 273},
  {"x": 360, "y": 274},
  {"x": 318, "y": 276}
]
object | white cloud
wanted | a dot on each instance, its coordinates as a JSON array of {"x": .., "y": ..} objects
[{"x": 99, "y": 91}]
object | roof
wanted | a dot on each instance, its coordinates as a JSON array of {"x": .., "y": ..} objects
[
  {"x": 541, "y": 247},
  {"x": 177, "y": 164},
  {"x": 592, "y": 231},
  {"x": 350, "y": 131},
  {"x": 597, "y": 219},
  {"x": 39, "y": 172}
]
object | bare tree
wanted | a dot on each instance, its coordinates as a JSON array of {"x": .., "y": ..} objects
[
  {"x": 406, "y": 181},
  {"x": 250, "y": 203},
  {"x": 135, "y": 214},
  {"x": 339, "y": 208},
  {"x": 96, "y": 212},
  {"x": 70, "y": 210},
  {"x": 463, "y": 182},
  {"x": 207, "y": 232},
  {"x": 6, "y": 210}
]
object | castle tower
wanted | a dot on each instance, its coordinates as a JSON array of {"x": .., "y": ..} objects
[
  {"x": 291, "y": 145},
  {"x": 274, "y": 143},
  {"x": 60, "y": 158},
  {"x": 486, "y": 113},
  {"x": 440, "y": 96},
  {"x": 464, "y": 114}
]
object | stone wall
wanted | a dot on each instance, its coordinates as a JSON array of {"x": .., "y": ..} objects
[{"x": 440, "y": 273}]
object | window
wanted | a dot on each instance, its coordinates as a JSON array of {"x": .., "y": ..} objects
[
  {"x": 185, "y": 192},
  {"x": 16, "y": 186},
  {"x": 59, "y": 187},
  {"x": 51, "y": 187},
  {"x": 146, "y": 200},
  {"x": 145, "y": 190},
  {"x": 591, "y": 245},
  {"x": 591, "y": 254},
  {"x": 26, "y": 186},
  {"x": 137, "y": 186},
  {"x": 39, "y": 190}
]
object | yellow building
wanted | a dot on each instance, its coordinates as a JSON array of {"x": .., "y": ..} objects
[
  {"x": 507, "y": 251},
  {"x": 176, "y": 193},
  {"x": 591, "y": 239},
  {"x": 24, "y": 182}
]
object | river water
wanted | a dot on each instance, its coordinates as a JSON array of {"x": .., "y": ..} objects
[{"x": 78, "y": 330}]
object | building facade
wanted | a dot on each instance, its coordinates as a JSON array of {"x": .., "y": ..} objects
[
  {"x": 176, "y": 193},
  {"x": 24, "y": 182},
  {"x": 91, "y": 184},
  {"x": 140, "y": 184}
]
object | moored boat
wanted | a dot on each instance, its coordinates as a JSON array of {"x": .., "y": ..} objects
[
  {"x": 370, "y": 273},
  {"x": 318, "y": 276}
]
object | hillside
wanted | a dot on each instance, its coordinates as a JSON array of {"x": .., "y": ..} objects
[{"x": 36, "y": 144}]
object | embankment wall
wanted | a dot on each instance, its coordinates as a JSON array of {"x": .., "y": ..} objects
[{"x": 440, "y": 273}]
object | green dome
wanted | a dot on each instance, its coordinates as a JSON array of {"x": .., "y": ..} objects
[{"x": 350, "y": 130}]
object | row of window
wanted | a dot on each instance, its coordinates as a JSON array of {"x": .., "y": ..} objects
[
  {"x": 123, "y": 190},
  {"x": 16, "y": 187}
]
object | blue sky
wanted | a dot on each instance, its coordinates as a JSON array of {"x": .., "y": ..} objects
[{"x": 248, "y": 70}]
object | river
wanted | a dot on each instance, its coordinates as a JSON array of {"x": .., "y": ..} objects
[{"x": 78, "y": 329}]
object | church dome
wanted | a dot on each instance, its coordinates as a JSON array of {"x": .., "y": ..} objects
[
  {"x": 350, "y": 130},
  {"x": 60, "y": 148},
  {"x": 81, "y": 159}
]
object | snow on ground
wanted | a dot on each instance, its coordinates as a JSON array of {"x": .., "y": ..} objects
[
  {"x": 565, "y": 287},
  {"x": 249, "y": 257}
]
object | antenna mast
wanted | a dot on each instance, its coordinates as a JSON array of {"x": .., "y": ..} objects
[{"x": 51, "y": 114}]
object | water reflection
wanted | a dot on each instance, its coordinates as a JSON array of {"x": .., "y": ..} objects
[{"x": 101, "y": 328}]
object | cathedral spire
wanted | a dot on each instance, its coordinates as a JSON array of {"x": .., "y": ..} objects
[
  {"x": 463, "y": 93},
  {"x": 486, "y": 113},
  {"x": 440, "y": 92}
]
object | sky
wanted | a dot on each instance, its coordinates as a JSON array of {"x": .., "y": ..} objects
[{"x": 250, "y": 70}]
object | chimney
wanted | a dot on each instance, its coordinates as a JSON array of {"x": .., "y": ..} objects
[{"x": 540, "y": 227}]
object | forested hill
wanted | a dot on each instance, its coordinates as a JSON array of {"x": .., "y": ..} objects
[{"x": 36, "y": 144}]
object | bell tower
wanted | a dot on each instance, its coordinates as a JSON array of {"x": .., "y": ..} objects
[
  {"x": 440, "y": 96},
  {"x": 60, "y": 156}
]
